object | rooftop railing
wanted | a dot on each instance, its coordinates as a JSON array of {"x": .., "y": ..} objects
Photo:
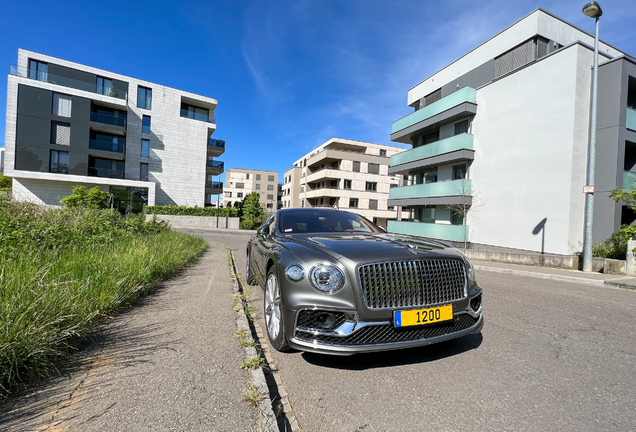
[{"x": 51, "y": 78}]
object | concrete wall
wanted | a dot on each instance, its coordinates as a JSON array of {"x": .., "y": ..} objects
[
  {"x": 45, "y": 192},
  {"x": 198, "y": 221},
  {"x": 530, "y": 157}
]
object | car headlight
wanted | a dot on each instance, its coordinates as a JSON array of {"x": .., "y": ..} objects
[
  {"x": 470, "y": 270},
  {"x": 295, "y": 272},
  {"x": 326, "y": 278}
]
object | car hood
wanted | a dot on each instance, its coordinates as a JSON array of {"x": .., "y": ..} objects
[{"x": 369, "y": 247}]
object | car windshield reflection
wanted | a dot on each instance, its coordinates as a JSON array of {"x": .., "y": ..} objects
[{"x": 321, "y": 221}]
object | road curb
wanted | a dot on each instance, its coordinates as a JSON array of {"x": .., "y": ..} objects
[
  {"x": 560, "y": 278},
  {"x": 267, "y": 419}
]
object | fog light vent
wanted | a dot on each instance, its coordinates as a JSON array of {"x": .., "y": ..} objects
[
  {"x": 320, "y": 320},
  {"x": 475, "y": 303}
]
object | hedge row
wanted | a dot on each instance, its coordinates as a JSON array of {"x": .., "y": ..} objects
[{"x": 191, "y": 211}]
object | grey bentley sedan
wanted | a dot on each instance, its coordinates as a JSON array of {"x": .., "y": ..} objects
[{"x": 335, "y": 283}]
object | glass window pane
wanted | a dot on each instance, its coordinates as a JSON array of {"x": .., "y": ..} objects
[
  {"x": 143, "y": 174},
  {"x": 145, "y": 128},
  {"x": 148, "y": 99},
  {"x": 145, "y": 148},
  {"x": 141, "y": 97}
]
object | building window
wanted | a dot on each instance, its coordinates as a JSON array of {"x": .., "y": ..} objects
[
  {"x": 240, "y": 185},
  {"x": 459, "y": 172},
  {"x": 374, "y": 168},
  {"x": 62, "y": 105},
  {"x": 258, "y": 186},
  {"x": 270, "y": 196},
  {"x": 270, "y": 178},
  {"x": 59, "y": 162},
  {"x": 60, "y": 133},
  {"x": 247, "y": 176},
  {"x": 239, "y": 194},
  {"x": 144, "y": 97},
  {"x": 431, "y": 98},
  {"x": 145, "y": 148},
  {"x": 270, "y": 187},
  {"x": 391, "y": 186},
  {"x": 430, "y": 137},
  {"x": 258, "y": 176},
  {"x": 353, "y": 203},
  {"x": 382, "y": 152},
  {"x": 195, "y": 113},
  {"x": 104, "y": 85},
  {"x": 457, "y": 219},
  {"x": 373, "y": 204},
  {"x": 269, "y": 205},
  {"x": 145, "y": 124},
  {"x": 347, "y": 184},
  {"x": 461, "y": 127},
  {"x": 228, "y": 194},
  {"x": 38, "y": 70},
  {"x": 356, "y": 166},
  {"x": 143, "y": 171},
  {"x": 515, "y": 58},
  {"x": 371, "y": 186}
]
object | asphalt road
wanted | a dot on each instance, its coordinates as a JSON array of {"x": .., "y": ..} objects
[{"x": 553, "y": 356}]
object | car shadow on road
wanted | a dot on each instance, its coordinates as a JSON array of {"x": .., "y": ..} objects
[{"x": 382, "y": 359}]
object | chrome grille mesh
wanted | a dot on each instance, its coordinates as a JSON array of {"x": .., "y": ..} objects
[{"x": 412, "y": 283}]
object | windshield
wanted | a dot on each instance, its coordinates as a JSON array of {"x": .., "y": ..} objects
[{"x": 317, "y": 221}]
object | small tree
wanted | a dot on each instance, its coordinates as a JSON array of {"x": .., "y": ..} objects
[
  {"x": 464, "y": 203},
  {"x": 252, "y": 210},
  {"x": 91, "y": 198}
]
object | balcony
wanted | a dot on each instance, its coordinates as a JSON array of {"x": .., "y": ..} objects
[
  {"x": 438, "y": 193},
  {"x": 104, "y": 172},
  {"x": 214, "y": 167},
  {"x": 108, "y": 119},
  {"x": 214, "y": 188},
  {"x": 66, "y": 82},
  {"x": 324, "y": 173},
  {"x": 630, "y": 122},
  {"x": 455, "y": 233},
  {"x": 216, "y": 147},
  {"x": 452, "y": 107},
  {"x": 455, "y": 148},
  {"x": 109, "y": 146},
  {"x": 324, "y": 191}
]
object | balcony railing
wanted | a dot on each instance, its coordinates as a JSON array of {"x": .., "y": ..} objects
[
  {"x": 466, "y": 94},
  {"x": 108, "y": 119},
  {"x": 110, "y": 146},
  {"x": 105, "y": 172},
  {"x": 630, "y": 122},
  {"x": 437, "y": 189},
  {"x": 457, "y": 142},
  {"x": 216, "y": 143},
  {"x": 214, "y": 185},
  {"x": 629, "y": 180},
  {"x": 456, "y": 233},
  {"x": 215, "y": 164},
  {"x": 50, "y": 78}
]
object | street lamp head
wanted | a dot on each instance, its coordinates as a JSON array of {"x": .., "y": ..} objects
[{"x": 592, "y": 10}]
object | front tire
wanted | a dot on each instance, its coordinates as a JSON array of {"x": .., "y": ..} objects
[{"x": 273, "y": 311}]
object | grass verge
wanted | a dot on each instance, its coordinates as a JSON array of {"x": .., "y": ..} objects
[{"x": 53, "y": 290}]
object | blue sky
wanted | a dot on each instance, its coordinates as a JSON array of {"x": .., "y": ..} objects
[{"x": 288, "y": 75}]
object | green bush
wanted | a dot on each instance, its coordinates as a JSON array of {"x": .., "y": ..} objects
[
  {"x": 93, "y": 198},
  {"x": 63, "y": 269},
  {"x": 191, "y": 211},
  {"x": 5, "y": 183},
  {"x": 615, "y": 247}
]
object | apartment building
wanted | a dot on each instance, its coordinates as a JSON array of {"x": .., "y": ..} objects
[
  {"x": 352, "y": 174},
  {"x": 240, "y": 182},
  {"x": 70, "y": 124},
  {"x": 504, "y": 131}
]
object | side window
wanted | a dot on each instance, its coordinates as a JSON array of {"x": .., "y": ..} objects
[{"x": 272, "y": 226}]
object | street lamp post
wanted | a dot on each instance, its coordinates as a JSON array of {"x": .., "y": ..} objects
[{"x": 592, "y": 10}]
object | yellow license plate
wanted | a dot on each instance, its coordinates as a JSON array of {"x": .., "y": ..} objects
[{"x": 417, "y": 317}]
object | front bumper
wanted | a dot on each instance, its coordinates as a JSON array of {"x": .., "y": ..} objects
[{"x": 354, "y": 337}]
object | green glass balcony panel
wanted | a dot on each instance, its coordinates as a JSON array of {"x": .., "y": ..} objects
[
  {"x": 427, "y": 190},
  {"x": 466, "y": 94},
  {"x": 456, "y": 233},
  {"x": 457, "y": 142},
  {"x": 630, "y": 123},
  {"x": 629, "y": 180}
]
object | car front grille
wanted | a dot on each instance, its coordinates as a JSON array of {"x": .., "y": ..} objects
[
  {"x": 412, "y": 283},
  {"x": 386, "y": 333}
]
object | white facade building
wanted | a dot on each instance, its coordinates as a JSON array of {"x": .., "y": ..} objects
[
  {"x": 69, "y": 124},
  {"x": 353, "y": 174},
  {"x": 240, "y": 182},
  {"x": 504, "y": 130}
]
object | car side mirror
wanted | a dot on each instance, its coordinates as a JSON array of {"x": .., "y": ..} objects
[
  {"x": 382, "y": 229},
  {"x": 263, "y": 230}
]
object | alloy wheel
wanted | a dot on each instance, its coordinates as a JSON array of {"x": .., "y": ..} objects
[{"x": 272, "y": 307}]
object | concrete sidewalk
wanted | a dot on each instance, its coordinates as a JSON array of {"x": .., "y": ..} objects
[
  {"x": 171, "y": 362},
  {"x": 616, "y": 281}
]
